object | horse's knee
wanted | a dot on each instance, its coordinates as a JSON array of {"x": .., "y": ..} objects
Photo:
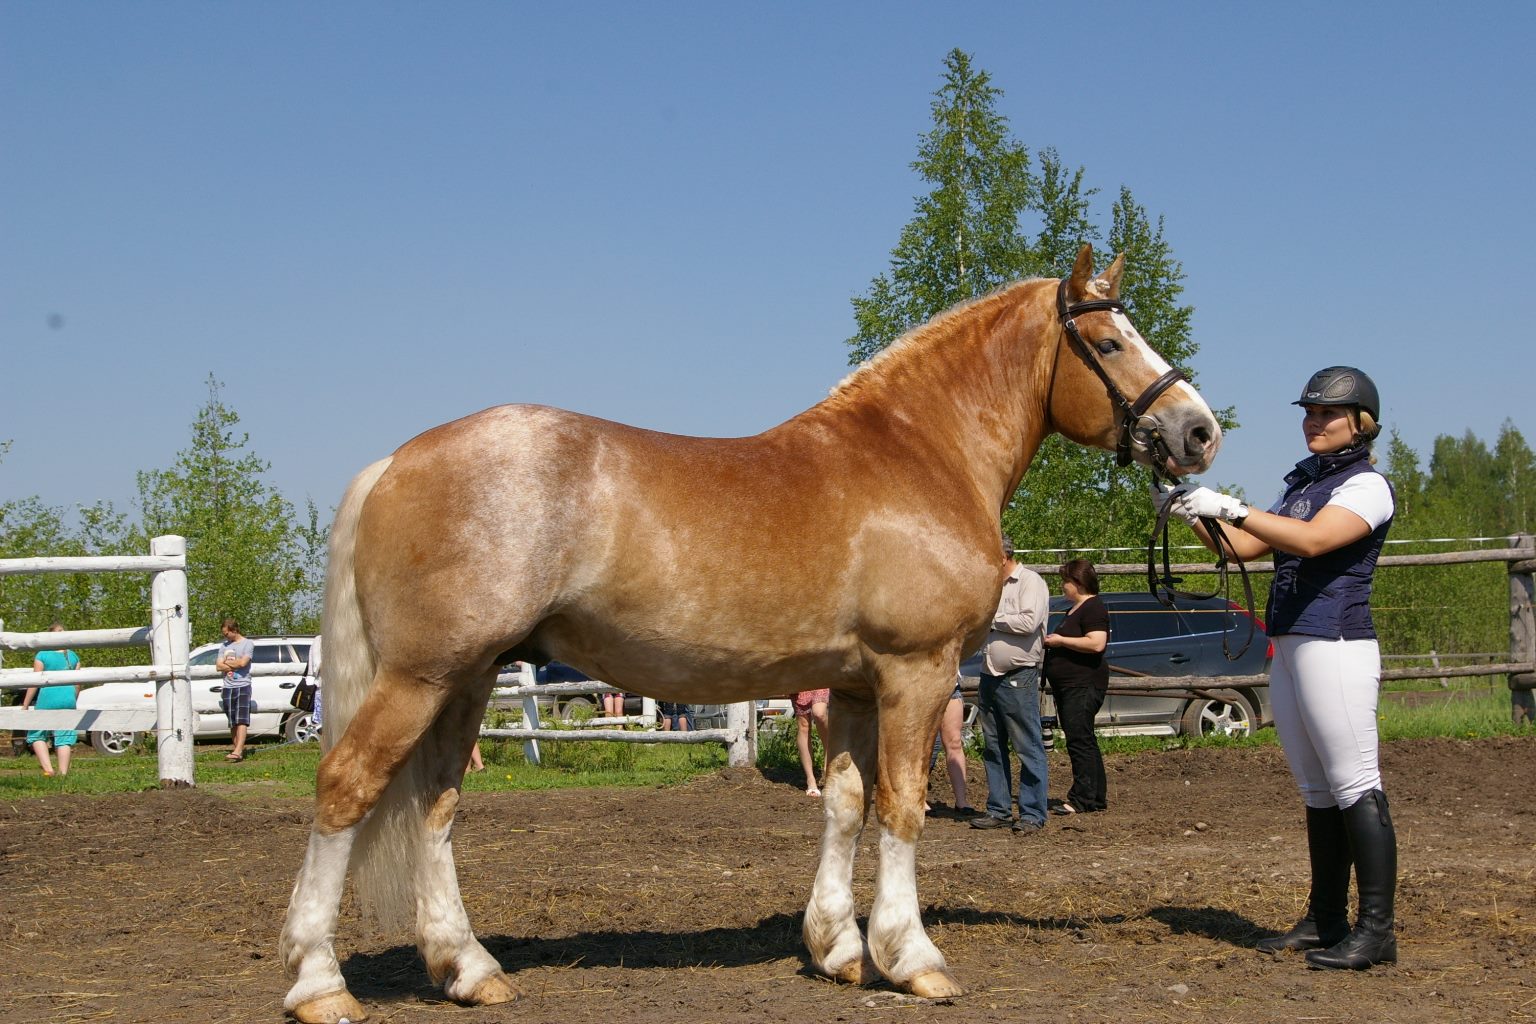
[{"x": 901, "y": 818}]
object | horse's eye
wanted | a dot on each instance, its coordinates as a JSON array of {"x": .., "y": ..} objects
[{"x": 1108, "y": 345}]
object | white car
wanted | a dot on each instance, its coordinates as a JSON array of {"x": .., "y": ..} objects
[{"x": 272, "y": 711}]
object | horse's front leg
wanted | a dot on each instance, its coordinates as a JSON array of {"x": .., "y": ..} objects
[
  {"x": 912, "y": 702},
  {"x": 831, "y": 929}
]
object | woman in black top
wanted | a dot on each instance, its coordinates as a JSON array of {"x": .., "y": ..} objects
[{"x": 1079, "y": 677}]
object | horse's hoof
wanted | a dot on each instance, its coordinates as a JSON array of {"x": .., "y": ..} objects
[
  {"x": 858, "y": 972},
  {"x": 332, "y": 1009},
  {"x": 935, "y": 985},
  {"x": 498, "y": 988}
]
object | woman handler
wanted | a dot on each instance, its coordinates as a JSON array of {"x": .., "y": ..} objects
[{"x": 1325, "y": 533}]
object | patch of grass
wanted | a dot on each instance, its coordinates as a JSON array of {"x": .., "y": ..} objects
[
  {"x": 288, "y": 770},
  {"x": 278, "y": 769},
  {"x": 1478, "y": 716}
]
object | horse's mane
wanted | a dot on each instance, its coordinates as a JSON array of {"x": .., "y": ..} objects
[{"x": 921, "y": 338}]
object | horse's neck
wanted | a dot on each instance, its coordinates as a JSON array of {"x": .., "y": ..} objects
[{"x": 975, "y": 383}]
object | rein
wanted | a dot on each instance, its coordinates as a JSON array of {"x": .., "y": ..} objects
[{"x": 1139, "y": 430}]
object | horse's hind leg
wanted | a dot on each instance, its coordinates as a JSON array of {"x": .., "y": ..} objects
[
  {"x": 454, "y": 957},
  {"x": 831, "y": 929},
  {"x": 349, "y": 784},
  {"x": 909, "y": 716},
  {"x": 319, "y": 994}
]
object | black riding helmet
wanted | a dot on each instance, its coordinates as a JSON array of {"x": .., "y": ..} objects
[{"x": 1342, "y": 385}]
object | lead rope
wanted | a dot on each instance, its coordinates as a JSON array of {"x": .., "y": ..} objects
[{"x": 1164, "y": 588}]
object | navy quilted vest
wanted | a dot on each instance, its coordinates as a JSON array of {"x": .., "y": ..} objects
[{"x": 1330, "y": 595}]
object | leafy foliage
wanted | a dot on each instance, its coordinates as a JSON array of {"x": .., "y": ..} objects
[
  {"x": 1468, "y": 491},
  {"x": 247, "y": 557},
  {"x": 249, "y": 554},
  {"x": 991, "y": 217}
]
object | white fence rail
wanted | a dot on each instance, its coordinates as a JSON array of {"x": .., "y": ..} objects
[
  {"x": 739, "y": 735},
  {"x": 166, "y": 636}
]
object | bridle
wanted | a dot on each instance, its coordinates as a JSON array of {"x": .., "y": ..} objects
[{"x": 1139, "y": 430}]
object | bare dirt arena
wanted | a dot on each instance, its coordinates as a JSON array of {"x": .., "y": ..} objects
[{"x": 684, "y": 904}]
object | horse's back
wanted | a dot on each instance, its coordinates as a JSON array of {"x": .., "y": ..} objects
[{"x": 632, "y": 551}]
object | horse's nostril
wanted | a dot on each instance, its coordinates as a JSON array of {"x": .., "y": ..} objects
[{"x": 1200, "y": 437}]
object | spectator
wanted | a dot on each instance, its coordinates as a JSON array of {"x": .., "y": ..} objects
[
  {"x": 810, "y": 706},
  {"x": 674, "y": 717},
  {"x": 1009, "y": 702},
  {"x": 312, "y": 669},
  {"x": 235, "y": 697},
  {"x": 1079, "y": 677},
  {"x": 613, "y": 705},
  {"x": 53, "y": 698},
  {"x": 953, "y": 743}
]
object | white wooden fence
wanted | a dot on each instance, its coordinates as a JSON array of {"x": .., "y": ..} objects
[
  {"x": 739, "y": 734},
  {"x": 166, "y": 636}
]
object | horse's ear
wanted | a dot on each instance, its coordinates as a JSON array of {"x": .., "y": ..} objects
[
  {"x": 1082, "y": 271},
  {"x": 1107, "y": 284}
]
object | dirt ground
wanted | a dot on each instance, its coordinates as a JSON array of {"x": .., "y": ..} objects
[{"x": 684, "y": 904}]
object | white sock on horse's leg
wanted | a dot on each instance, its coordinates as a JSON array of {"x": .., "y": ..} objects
[
  {"x": 897, "y": 942},
  {"x": 831, "y": 929},
  {"x": 454, "y": 957},
  {"x": 306, "y": 945}
]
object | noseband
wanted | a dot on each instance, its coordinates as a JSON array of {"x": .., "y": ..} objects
[{"x": 1137, "y": 429}]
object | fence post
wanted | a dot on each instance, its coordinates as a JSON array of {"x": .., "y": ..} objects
[
  {"x": 17, "y": 742},
  {"x": 742, "y": 718},
  {"x": 1522, "y": 632},
  {"x": 169, "y": 647},
  {"x": 527, "y": 677}
]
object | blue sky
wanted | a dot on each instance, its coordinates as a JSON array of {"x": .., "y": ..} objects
[{"x": 367, "y": 219}]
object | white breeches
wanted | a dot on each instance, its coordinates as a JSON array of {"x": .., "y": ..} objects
[{"x": 1324, "y": 694}]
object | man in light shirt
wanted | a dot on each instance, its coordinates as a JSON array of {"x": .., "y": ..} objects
[{"x": 1009, "y": 702}]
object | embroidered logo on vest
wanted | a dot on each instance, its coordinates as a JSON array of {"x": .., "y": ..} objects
[{"x": 1302, "y": 508}]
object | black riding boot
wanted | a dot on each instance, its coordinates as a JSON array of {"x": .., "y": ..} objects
[
  {"x": 1373, "y": 842},
  {"x": 1327, "y": 919}
]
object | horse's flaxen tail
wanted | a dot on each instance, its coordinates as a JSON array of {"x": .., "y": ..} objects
[
  {"x": 388, "y": 843},
  {"x": 349, "y": 662}
]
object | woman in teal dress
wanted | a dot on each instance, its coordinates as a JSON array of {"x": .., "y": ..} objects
[{"x": 53, "y": 698}]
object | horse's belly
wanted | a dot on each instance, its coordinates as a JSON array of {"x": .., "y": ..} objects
[{"x": 696, "y": 672}]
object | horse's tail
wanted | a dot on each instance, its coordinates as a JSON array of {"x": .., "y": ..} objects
[
  {"x": 388, "y": 844},
  {"x": 348, "y": 665}
]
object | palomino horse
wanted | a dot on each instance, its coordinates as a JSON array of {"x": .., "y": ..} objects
[{"x": 854, "y": 546}]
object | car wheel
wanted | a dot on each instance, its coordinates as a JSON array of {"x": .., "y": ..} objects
[
  {"x": 301, "y": 728},
  {"x": 578, "y": 710},
  {"x": 1230, "y": 714},
  {"x": 113, "y": 743}
]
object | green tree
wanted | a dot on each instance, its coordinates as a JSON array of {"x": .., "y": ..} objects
[
  {"x": 1468, "y": 491},
  {"x": 990, "y": 218},
  {"x": 246, "y": 557},
  {"x": 966, "y": 238},
  {"x": 30, "y": 601},
  {"x": 1407, "y": 479},
  {"x": 1515, "y": 478}
]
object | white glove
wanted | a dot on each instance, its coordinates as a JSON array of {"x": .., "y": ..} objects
[
  {"x": 1163, "y": 493},
  {"x": 1204, "y": 502}
]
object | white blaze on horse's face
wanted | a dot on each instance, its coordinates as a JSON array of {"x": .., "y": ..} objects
[
  {"x": 1185, "y": 395},
  {"x": 1178, "y": 426}
]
